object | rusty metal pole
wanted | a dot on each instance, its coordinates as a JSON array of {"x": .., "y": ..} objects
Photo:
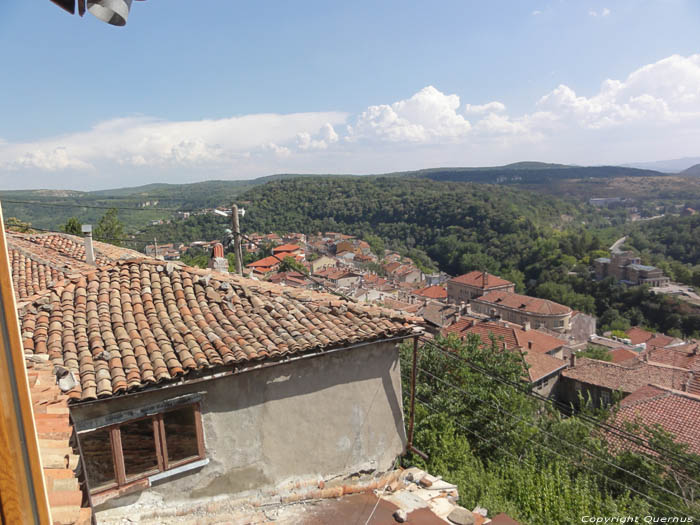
[{"x": 414, "y": 370}]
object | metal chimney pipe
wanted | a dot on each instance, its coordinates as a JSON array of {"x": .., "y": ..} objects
[{"x": 89, "y": 251}]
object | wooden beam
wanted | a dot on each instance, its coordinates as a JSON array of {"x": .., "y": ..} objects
[{"x": 22, "y": 489}]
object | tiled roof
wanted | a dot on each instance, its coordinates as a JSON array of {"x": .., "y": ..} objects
[
  {"x": 539, "y": 363},
  {"x": 432, "y": 292},
  {"x": 533, "y": 341},
  {"x": 30, "y": 276},
  {"x": 627, "y": 378},
  {"x": 438, "y": 313},
  {"x": 682, "y": 356},
  {"x": 476, "y": 279},
  {"x": 677, "y": 412},
  {"x": 524, "y": 303},
  {"x": 54, "y": 431},
  {"x": 638, "y": 335},
  {"x": 38, "y": 261},
  {"x": 620, "y": 355},
  {"x": 542, "y": 365},
  {"x": 392, "y": 266},
  {"x": 266, "y": 262},
  {"x": 286, "y": 248},
  {"x": 660, "y": 340},
  {"x": 400, "y": 305},
  {"x": 138, "y": 323}
]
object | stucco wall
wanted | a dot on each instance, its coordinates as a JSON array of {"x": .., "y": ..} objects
[{"x": 333, "y": 414}]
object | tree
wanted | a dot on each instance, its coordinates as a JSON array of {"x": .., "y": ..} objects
[
  {"x": 109, "y": 228},
  {"x": 13, "y": 224},
  {"x": 289, "y": 264},
  {"x": 73, "y": 226}
]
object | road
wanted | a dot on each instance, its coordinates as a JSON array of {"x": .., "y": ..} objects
[{"x": 617, "y": 244}]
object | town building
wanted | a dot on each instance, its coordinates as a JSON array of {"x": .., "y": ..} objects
[
  {"x": 183, "y": 383},
  {"x": 474, "y": 284},
  {"x": 541, "y": 353},
  {"x": 600, "y": 380},
  {"x": 627, "y": 267},
  {"x": 522, "y": 309},
  {"x": 657, "y": 405}
]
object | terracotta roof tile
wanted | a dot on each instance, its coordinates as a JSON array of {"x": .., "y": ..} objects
[
  {"x": 514, "y": 337},
  {"x": 638, "y": 335},
  {"x": 677, "y": 412},
  {"x": 286, "y": 248},
  {"x": 54, "y": 432},
  {"x": 432, "y": 292},
  {"x": 476, "y": 279},
  {"x": 539, "y": 363},
  {"x": 627, "y": 378},
  {"x": 524, "y": 303},
  {"x": 621, "y": 355},
  {"x": 542, "y": 365},
  {"x": 137, "y": 323}
]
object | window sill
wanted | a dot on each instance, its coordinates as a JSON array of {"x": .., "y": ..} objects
[{"x": 178, "y": 470}]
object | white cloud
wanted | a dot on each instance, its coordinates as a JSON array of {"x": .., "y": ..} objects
[
  {"x": 603, "y": 12},
  {"x": 536, "y": 12},
  {"x": 480, "y": 109},
  {"x": 428, "y": 116},
  {"x": 654, "y": 110},
  {"x": 663, "y": 92}
]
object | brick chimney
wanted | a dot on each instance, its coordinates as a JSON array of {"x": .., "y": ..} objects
[
  {"x": 526, "y": 325},
  {"x": 89, "y": 251},
  {"x": 485, "y": 279},
  {"x": 217, "y": 261},
  {"x": 572, "y": 360},
  {"x": 529, "y": 345}
]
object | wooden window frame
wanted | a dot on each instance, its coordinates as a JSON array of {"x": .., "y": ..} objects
[{"x": 161, "y": 449}]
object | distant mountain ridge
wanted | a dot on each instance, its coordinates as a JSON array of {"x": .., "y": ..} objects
[
  {"x": 693, "y": 171},
  {"x": 666, "y": 166}
]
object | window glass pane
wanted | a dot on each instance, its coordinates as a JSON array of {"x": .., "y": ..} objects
[
  {"x": 180, "y": 434},
  {"x": 138, "y": 447},
  {"x": 97, "y": 452}
]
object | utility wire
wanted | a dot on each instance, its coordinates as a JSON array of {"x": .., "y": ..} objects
[
  {"x": 646, "y": 496},
  {"x": 606, "y": 426},
  {"x": 583, "y": 417},
  {"x": 547, "y": 433}
]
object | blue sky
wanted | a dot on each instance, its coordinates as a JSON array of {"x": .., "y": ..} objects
[{"x": 223, "y": 89}]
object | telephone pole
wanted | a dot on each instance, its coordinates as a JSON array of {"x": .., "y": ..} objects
[{"x": 237, "y": 239}]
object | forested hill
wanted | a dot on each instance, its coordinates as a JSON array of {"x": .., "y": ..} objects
[
  {"x": 532, "y": 173},
  {"x": 459, "y": 226}
]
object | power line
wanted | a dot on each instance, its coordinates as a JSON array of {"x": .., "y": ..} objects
[
  {"x": 619, "y": 432},
  {"x": 605, "y": 426},
  {"x": 646, "y": 496},
  {"x": 547, "y": 433}
]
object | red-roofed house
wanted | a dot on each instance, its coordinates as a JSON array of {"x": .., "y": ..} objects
[
  {"x": 287, "y": 249},
  {"x": 638, "y": 335},
  {"x": 522, "y": 309},
  {"x": 265, "y": 265},
  {"x": 675, "y": 411},
  {"x": 475, "y": 284},
  {"x": 538, "y": 349},
  {"x": 621, "y": 355},
  {"x": 437, "y": 293},
  {"x": 601, "y": 379}
]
